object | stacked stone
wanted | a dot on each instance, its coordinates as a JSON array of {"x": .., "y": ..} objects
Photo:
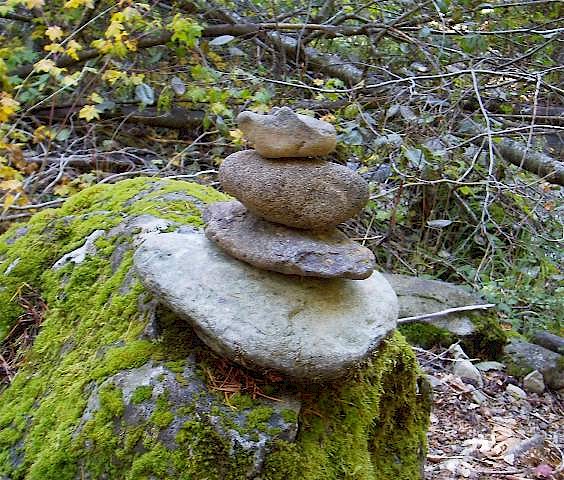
[{"x": 289, "y": 201}]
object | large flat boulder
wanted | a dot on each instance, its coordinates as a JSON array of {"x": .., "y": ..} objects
[
  {"x": 421, "y": 296},
  {"x": 308, "y": 329},
  {"x": 524, "y": 357},
  {"x": 479, "y": 330}
]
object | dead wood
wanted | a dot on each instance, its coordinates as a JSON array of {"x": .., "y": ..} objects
[
  {"x": 177, "y": 117},
  {"x": 519, "y": 154}
]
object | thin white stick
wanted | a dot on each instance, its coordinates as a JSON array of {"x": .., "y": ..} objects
[{"x": 428, "y": 316}]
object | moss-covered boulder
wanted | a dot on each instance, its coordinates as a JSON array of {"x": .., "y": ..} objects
[
  {"x": 479, "y": 331},
  {"x": 116, "y": 387}
]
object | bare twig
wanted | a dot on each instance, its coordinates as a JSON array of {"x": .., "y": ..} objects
[{"x": 430, "y": 316}]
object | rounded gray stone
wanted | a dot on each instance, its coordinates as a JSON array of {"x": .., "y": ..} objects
[
  {"x": 274, "y": 247},
  {"x": 285, "y": 133},
  {"x": 308, "y": 194},
  {"x": 307, "y": 329},
  {"x": 534, "y": 382}
]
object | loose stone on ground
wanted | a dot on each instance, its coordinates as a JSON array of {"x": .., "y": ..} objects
[
  {"x": 534, "y": 382},
  {"x": 523, "y": 357}
]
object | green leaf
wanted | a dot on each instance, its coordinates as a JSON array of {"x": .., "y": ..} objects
[
  {"x": 473, "y": 44},
  {"x": 224, "y": 39},
  {"x": 466, "y": 190},
  {"x": 145, "y": 94},
  {"x": 352, "y": 137},
  {"x": 185, "y": 31}
]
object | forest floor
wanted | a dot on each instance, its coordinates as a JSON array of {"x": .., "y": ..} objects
[{"x": 501, "y": 436}]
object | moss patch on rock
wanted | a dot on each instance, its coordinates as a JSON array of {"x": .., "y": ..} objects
[
  {"x": 490, "y": 338},
  {"x": 486, "y": 342},
  {"x": 65, "y": 415},
  {"x": 426, "y": 335},
  {"x": 370, "y": 427}
]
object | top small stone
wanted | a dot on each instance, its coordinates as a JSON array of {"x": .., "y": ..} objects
[{"x": 284, "y": 133}]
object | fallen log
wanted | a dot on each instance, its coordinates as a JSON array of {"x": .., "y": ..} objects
[
  {"x": 518, "y": 154},
  {"x": 176, "y": 117}
]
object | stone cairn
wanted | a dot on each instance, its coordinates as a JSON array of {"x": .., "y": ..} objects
[
  {"x": 289, "y": 200},
  {"x": 305, "y": 300}
]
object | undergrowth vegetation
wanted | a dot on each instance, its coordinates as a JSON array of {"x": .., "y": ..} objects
[{"x": 452, "y": 109}]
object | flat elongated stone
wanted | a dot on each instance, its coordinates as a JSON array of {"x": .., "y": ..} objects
[
  {"x": 309, "y": 194},
  {"x": 285, "y": 133},
  {"x": 270, "y": 246},
  {"x": 308, "y": 329}
]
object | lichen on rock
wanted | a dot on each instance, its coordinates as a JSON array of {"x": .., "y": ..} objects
[{"x": 114, "y": 387}]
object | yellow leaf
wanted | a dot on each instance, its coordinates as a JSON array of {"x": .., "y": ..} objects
[
  {"x": 329, "y": 118},
  {"x": 45, "y": 65},
  {"x": 8, "y": 201},
  {"x": 72, "y": 47},
  {"x": 131, "y": 45},
  {"x": 71, "y": 80},
  {"x": 54, "y": 47},
  {"x": 34, "y": 3},
  {"x": 79, "y": 3},
  {"x": 102, "y": 45},
  {"x": 236, "y": 134},
  {"x": 89, "y": 112},
  {"x": 96, "y": 98},
  {"x": 10, "y": 185},
  {"x": 114, "y": 30},
  {"x": 8, "y": 106},
  {"x": 43, "y": 133},
  {"x": 54, "y": 33},
  {"x": 8, "y": 173},
  {"x": 137, "y": 78},
  {"x": 112, "y": 76},
  {"x": 318, "y": 82}
]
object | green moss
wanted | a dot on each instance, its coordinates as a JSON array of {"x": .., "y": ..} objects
[
  {"x": 241, "y": 401},
  {"x": 258, "y": 418},
  {"x": 371, "y": 427},
  {"x": 176, "y": 366},
  {"x": 426, "y": 335},
  {"x": 9, "y": 436},
  {"x": 489, "y": 339},
  {"x": 141, "y": 394},
  {"x": 93, "y": 329},
  {"x": 162, "y": 416},
  {"x": 289, "y": 416},
  {"x": 487, "y": 342}
]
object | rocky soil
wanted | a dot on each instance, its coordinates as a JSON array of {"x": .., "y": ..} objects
[{"x": 499, "y": 434}]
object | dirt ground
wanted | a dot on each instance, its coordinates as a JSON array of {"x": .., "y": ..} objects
[{"x": 497, "y": 435}]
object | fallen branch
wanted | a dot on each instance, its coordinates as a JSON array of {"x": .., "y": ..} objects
[
  {"x": 177, "y": 117},
  {"x": 212, "y": 31},
  {"x": 331, "y": 65},
  {"x": 429, "y": 316},
  {"x": 16, "y": 216},
  {"x": 518, "y": 154},
  {"x": 52, "y": 203}
]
